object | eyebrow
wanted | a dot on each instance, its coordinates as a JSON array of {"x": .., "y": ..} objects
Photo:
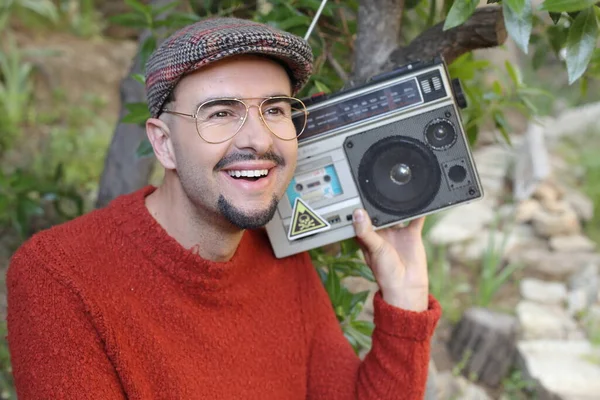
[{"x": 198, "y": 104}]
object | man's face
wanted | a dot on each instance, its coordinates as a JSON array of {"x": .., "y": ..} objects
[{"x": 208, "y": 172}]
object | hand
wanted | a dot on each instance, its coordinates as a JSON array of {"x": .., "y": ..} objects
[{"x": 398, "y": 260}]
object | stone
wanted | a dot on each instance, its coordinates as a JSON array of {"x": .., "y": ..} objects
[
  {"x": 587, "y": 280},
  {"x": 581, "y": 204},
  {"x": 558, "y": 265},
  {"x": 548, "y": 224},
  {"x": 493, "y": 161},
  {"x": 574, "y": 121},
  {"x": 462, "y": 223},
  {"x": 526, "y": 209},
  {"x": 474, "y": 249},
  {"x": 450, "y": 387},
  {"x": 544, "y": 321},
  {"x": 492, "y": 187},
  {"x": 571, "y": 243},
  {"x": 539, "y": 291},
  {"x": 546, "y": 192},
  {"x": 568, "y": 369},
  {"x": 576, "y": 301}
]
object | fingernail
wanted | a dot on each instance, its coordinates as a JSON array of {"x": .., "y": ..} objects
[{"x": 358, "y": 216}]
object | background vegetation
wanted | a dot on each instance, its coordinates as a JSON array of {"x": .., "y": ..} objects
[{"x": 52, "y": 148}]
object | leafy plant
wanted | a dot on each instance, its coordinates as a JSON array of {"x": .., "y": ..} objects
[
  {"x": 44, "y": 9},
  {"x": 494, "y": 272},
  {"x": 25, "y": 196},
  {"x": 16, "y": 92},
  {"x": 582, "y": 30},
  {"x": 443, "y": 285},
  {"x": 347, "y": 305},
  {"x": 517, "y": 387}
]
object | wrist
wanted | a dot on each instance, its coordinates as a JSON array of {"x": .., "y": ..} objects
[{"x": 416, "y": 299}]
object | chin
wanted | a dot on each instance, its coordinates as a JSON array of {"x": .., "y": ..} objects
[{"x": 245, "y": 218}]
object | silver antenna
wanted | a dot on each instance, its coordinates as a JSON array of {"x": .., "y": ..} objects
[{"x": 315, "y": 19}]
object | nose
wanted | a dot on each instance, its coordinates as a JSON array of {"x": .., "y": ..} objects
[{"x": 254, "y": 134}]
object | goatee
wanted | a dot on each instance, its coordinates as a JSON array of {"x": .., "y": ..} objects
[{"x": 244, "y": 220}]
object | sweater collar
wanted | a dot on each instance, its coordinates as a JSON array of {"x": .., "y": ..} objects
[{"x": 133, "y": 218}]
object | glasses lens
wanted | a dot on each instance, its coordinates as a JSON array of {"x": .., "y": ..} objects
[
  {"x": 284, "y": 116},
  {"x": 219, "y": 120}
]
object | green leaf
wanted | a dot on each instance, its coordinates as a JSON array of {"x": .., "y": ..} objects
[
  {"x": 557, "y": 37},
  {"x": 513, "y": 73},
  {"x": 143, "y": 9},
  {"x": 358, "y": 298},
  {"x": 333, "y": 286},
  {"x": 555, "y": 16},
  {"x": 298, "y": 20},
  {"x": 130, "y": 20},
  {"x": 581, "y": 43},
  {"x": 566, "y": 5},
  {"x": 502, "y": 125},
  {"x": 148, "y": 47},
  {"x": 518, "y": 21},
  {"x": 539, "y": 56},
  {"x": 138, "y": 113},
  {"x": 177, "y": 20},
  {"x": 516, "y": 5},
  {"x": 140, "y": 78},
  {"x": 155, "y": 12},
  {"x": 144, "y": 149},
  {"x": 460, "y": 12}
]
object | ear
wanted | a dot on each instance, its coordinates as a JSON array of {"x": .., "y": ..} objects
[{"x": 159, "y": 136}]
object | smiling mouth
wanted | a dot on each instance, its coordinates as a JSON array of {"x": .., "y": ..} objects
[{"x": 248, "y": 175}]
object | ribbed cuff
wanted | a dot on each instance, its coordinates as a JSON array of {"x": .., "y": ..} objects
[{"x": 411, "y": 325}]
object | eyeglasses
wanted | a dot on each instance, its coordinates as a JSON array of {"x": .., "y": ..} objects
[{"x": 219, "y": 120}]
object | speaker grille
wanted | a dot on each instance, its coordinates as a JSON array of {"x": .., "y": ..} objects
[{"x": 399, "y": 175}]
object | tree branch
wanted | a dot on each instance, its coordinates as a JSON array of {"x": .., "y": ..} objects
[{"x": 484, "y": 29}]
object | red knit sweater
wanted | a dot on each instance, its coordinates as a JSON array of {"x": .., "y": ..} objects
[{"x": 109, "y": 306}]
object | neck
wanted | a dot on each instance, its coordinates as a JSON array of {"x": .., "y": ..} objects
[{"x": 194, "y": 228}]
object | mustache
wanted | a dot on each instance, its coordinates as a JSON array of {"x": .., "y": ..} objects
[{"x": 232, "y": 158}]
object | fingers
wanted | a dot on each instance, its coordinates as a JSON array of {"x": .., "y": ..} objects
[{"x": 365, "y": 233}]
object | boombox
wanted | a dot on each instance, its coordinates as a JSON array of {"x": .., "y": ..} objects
[{"x": 394, "y": 146}]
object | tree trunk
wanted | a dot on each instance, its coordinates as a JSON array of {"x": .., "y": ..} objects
[
  {"x": 124, "y": 172},
  {"x": 379, "y": 23},
  {"x": 485, "y": 342}
]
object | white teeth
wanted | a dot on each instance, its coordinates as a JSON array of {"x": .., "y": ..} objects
[{"x": 249, "y": 173}]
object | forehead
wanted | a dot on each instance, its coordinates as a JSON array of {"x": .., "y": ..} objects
[{"x": 237, "y": 76}]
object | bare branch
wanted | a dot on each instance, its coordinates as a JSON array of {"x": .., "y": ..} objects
[{"x": 484, "y": 29}]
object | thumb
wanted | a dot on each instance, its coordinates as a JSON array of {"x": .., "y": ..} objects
[{"x": 372, "y": 242}]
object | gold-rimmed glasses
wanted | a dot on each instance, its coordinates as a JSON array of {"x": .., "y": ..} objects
[{"x": 218, "y": 120}]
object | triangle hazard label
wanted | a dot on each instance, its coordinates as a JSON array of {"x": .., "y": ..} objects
[{"x": 305, "y": 221}]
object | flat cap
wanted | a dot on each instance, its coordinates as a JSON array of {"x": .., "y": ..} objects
[{"x": 213, "y": 39}]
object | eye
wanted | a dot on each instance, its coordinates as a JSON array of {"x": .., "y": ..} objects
[
  {"x": 220, "y": 114},
  {"x": 275, "y": 111}
]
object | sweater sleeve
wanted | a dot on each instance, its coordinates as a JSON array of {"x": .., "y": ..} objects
[
  {"x": 55, "y": 350},
  {"x": 396, "y": 367}
]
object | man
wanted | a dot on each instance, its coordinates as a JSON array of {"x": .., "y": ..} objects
[{"x": 174, "y": 293}]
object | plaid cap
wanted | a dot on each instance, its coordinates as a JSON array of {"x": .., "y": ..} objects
[{"x": 209, "y": 40}]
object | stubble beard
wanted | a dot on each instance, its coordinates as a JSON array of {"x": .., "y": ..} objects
[{"x": 246, "y": 220}]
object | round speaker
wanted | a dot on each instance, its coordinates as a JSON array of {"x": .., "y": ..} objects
[
  {"x": 399, "y": 175},
  {"x": 440, "y": 134}
]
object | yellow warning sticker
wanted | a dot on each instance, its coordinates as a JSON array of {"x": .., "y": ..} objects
[{"x": 305, "y": 221}]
